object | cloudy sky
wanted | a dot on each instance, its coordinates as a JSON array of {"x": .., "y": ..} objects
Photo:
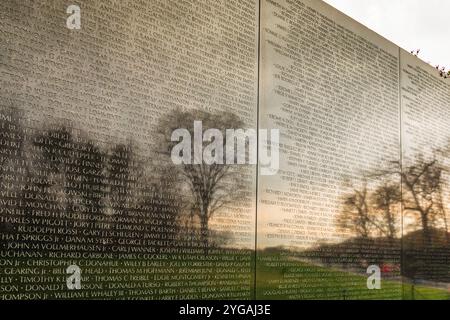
[{"x": 411, "y": 24}]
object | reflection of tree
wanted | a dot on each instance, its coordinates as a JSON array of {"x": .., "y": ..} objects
[
  {"x": 65, "y": 175},
  {"x": 211, "y": 187},
  {"x": 371, "y": 212},
  {"x": 121, "y": 174},
  {"x": 76, "y": 165},
  {"x": 60, "y": 174},
  {"x": 160, "y": 203},
  {"x": 422, "y": 196},
  {"x": 366, "y": 214},
  {"x": 108, "y": 184},
  {"x": 422, "y": 181},
  {"x": 386, "y": 199},
  {"x": 355, "y": 215}
]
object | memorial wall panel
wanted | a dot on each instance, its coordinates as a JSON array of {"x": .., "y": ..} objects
[
  {"x": 332, "y": 213},
  {"x": 86, "y": 184},
  {"x": 425, "y": 97}
]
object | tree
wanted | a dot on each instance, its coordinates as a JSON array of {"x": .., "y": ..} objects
[
  {"x": 365, "y": 213},
  {"x": 161, "y": 206},
  {"x": 422, "y": 182},
  {"x": 211, "y": 187},
  {"x": 422, "y": 189},
  {"x": 385, "y": 199},
  {"x": 355, "y": 213}
]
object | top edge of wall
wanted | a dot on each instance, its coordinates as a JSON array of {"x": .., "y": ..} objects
[{"x": 418, "y": 60}]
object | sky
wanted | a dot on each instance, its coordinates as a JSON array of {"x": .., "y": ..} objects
[{"x": 411, "y": 24}]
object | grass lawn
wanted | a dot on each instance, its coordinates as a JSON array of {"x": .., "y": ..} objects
[
  {"x": 424, "y": 293},
  {"x": 278, "y": 277},
  {"x": 282, "y": 279}
]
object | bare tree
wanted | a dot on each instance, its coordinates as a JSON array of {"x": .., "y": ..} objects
[
  {"x": 422, "y": 189},
  {"x": 385, "y": 199},
  {"x": 366, "y": 213},
  {"x": 210, "y": 187},
  {"x": 355, "y": 214},
  {"x": 443, "y": 212}
]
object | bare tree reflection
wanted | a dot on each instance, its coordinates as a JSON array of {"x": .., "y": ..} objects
[
  {"x": 210, "y": 187},
  {"x": 368, "y": 214},
  {"x": 386, "y": 199}
]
